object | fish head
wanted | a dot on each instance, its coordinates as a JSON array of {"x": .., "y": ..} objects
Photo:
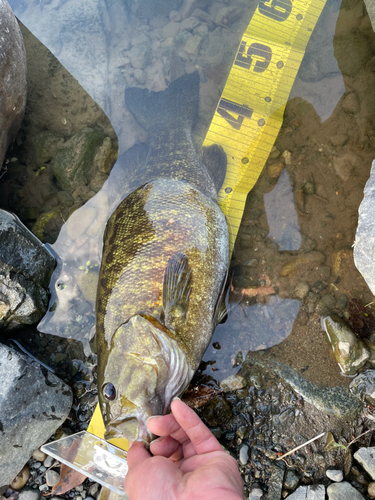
[{"x": 135, "y": 382}]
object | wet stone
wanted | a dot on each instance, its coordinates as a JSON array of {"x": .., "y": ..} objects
[
  {"x": 343, "y": 491},
  {"x": 275, "y": 483},
  {"x": 233, "y": 383},
  {"x": 291, "y": 480},
  {"x": 350, "y": 352},
  {"x": 217, "y": 411},
  {"x": 301, "y": 290},
  {"x": 366, "y": 457},
  {"x": 335, "y": 475}
]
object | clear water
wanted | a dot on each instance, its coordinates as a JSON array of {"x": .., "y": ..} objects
[{"x": 114, "y": 45}]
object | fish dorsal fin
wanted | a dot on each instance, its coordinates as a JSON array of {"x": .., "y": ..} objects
[{"x": 176, "y": 289}]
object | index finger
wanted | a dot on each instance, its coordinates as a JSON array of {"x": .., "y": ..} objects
[{"x": 200, "y": 436}]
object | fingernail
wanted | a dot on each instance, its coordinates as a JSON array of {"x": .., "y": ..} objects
[
  {"x": 153, "y": 417},
  {"x": 176, "y": 397}
]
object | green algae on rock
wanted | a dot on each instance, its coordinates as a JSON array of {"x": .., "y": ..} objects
[{"x": 350, "y": 352}]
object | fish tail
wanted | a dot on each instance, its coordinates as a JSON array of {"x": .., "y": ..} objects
[{"x": 157, "y": 109}]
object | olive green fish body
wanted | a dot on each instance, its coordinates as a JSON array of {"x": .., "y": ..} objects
[{"x": 164, "y": 265}]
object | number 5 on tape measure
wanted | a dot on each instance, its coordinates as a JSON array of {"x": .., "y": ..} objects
[{"x": 250, "y": 112}]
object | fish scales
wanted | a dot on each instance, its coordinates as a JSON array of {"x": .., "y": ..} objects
[{"x": 164, "y": 265}]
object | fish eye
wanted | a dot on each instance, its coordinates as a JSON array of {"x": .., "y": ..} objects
[{"x": 109, "y": 391}]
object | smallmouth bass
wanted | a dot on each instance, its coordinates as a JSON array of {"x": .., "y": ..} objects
[{"x": 164, "y": 267}]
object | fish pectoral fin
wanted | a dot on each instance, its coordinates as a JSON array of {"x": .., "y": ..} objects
[
  {"x": 221, "y": 310},
  {"x": 176, "y": 289}
]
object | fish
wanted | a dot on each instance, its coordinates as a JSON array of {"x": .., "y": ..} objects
[{"x": 164, "y": 266}]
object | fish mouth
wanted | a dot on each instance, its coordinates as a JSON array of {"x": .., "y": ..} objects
[{"x": 133, "y": 429}]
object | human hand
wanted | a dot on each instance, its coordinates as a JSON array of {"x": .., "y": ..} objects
[{"x": 187, "y": 462}]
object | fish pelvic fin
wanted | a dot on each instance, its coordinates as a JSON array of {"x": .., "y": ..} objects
[
  {"x": 176, "y": 290},
  {"x": 157, "y": 109}
]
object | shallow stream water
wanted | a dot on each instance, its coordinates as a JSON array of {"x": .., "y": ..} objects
[{"x": 304, "y": 203}]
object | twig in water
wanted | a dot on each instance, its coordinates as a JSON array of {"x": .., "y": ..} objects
[{"x": 301, "y": 446}]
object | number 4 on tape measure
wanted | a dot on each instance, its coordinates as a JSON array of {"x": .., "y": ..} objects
[{"x": 250, "y": 112}]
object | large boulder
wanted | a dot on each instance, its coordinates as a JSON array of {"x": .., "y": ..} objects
[
  {"x": 364, "y": 245},
  {"x": 12, "y": 77},
  {"x": 33, "y": 404},
  {"x": 25, "y": 270}
]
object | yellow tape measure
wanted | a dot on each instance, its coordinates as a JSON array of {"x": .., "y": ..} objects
[{"x": 250, "y": 112}]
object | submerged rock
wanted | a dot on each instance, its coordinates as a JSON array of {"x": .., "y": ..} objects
[
  {"x": 25, "y": 270},
  {"x": 74, "y": 163},
  {"x": 363, "y": 386},
  {"x": 33, "y": 404},
  {"x": 350, "y": 351},
  {"x": 336, "y": 401},
  {"x": 12, "y": 77},
  {"x": 364, "y": 245}
]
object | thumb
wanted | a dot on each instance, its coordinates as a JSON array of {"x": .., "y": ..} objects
[{"x": 137, "y": 454}]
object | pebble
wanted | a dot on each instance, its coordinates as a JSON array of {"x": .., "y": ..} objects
[
  {"x": 335, "y": 475},
  {"x": 275, "y": 170},
  {"x": 255, "y": 493},
  {"x": 93, "y": 490},
  {"x": 29, "y": 494},
  {"x": 343, "y": 491},
  {"x": 303, "y": 262},
  {"x": 52, "y": 477},
  {"x": 366, "y": 457},
  {"x": 48, "y": 461},
  {"x": 21, "y": 479},
  {"x": 363, "y": 386},
  {"x": 244, "y": 454},
  {"x": 233, "y": 383},
  {"x": 350, "y": 103},
  {"x": 301, "y": 290},
  {"x": 39, "y": 455},
  {"x": 339, "y": 140},
  {"x": 43, "y": 487},
  {"x": 341, "y": 260},
  {"x": 371, "y": 490},
  {"x": 291, "y": 480}
]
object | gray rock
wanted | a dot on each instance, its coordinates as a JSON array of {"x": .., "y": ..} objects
[
  {"x": 29, "y": 494},
  {"x": 366, "y": 457},
  {"x": 244, "y": 454},
  {"x": 255, "y": 493},
  {"x": 291, "y": 480},
  {"x": 33, "y": 404},
  {"x": 350, "y": 352},
  {"x": 363, "y": 386},
  {"x": 275, "y": 483},
  {"x": 74, "y": 163},
  {"x": 25, "y": 270},
  {"x": 364, "y": 245},
  {"x": 314, "y": 492},
  {"x": 233, "y": 383},
  {"x": 12, "y": 77},
  {"x": 370, "y": 6},
  {"x": 52, "y": 477},
  {"x": 335, "y": 475},
  {"x": 343, "y": 491}
]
